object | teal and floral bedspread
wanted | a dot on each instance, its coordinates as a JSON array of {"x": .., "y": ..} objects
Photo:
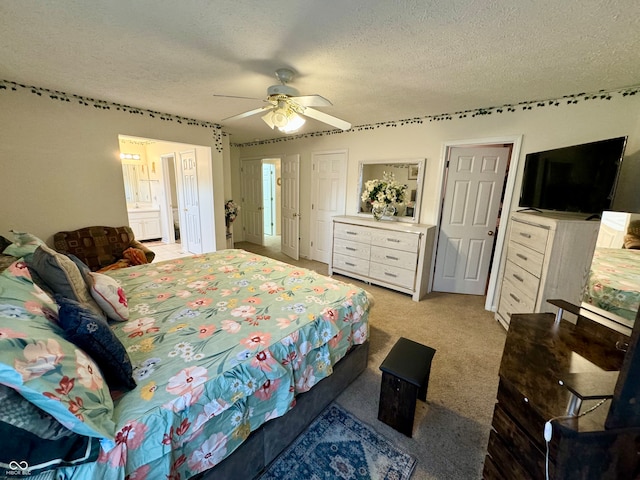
[
  {"x": 220, "y": 343},
  {"x": 613, "y": 281}
]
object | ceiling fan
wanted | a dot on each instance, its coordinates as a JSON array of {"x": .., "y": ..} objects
[{"x": 286, "y": 108}]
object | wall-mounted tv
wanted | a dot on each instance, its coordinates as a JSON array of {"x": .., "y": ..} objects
[{"x": 578, "y": 178}]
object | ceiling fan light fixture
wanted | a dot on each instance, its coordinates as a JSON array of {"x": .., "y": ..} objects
[{"x": 294, "y": 124}]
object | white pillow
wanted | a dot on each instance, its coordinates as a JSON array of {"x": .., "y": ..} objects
[{"x": 109, "y": 295}]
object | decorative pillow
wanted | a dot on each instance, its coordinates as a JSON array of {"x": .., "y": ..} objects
[
  {"x": 109, "y": 295},
  {"x": 39, "y": 441},
  {"x": 46, "y": 369},
  {"x": 135, "y": 256},
  {"x": 24, "y": 244},
  {"x": 62, "y": 276},
  {"x": 91, "y": 333}
]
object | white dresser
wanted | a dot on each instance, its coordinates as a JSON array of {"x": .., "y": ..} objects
[
  {"x": 395, "y": 255},
  {"x": 548, "y": 257}
]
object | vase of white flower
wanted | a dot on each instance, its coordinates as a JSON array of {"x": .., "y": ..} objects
[{"x": 384, "y": 195}]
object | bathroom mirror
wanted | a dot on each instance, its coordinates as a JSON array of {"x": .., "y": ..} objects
[
  {"x": 136, "y": 183},
  {"x": 613, "y": 283},
  {"x": 407, "y": 172}
]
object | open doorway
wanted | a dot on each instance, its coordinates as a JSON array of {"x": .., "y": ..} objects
[
  {"x": 285, "y": 205},
  {"x": 271, "y": 202},
  {"x": 169, "y": 202}
]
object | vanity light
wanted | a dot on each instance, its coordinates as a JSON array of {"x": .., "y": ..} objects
[{"x": 129, "y": 156}]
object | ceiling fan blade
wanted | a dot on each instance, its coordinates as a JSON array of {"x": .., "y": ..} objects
[
  {"x": 323, "y": 117},
  {"x": 234, "y": 96},
  {"x": 312, "y": 101},
  {"x": 248, "y": 114}
]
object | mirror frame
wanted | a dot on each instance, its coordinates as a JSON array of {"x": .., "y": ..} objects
[{"x": 421, "y": 162}]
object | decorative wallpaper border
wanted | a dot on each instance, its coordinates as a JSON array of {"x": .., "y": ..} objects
[
  {"x": 104, "y": 105},
  {"x": 478, "y": 112},
  {"x": 218, "y": 133}
]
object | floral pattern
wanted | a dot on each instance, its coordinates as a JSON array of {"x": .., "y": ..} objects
[
  {"x": 613, "y": 281},
  {"x": 220, "y": 343}
]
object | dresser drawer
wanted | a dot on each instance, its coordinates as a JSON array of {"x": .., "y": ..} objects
[
  {"x": 398, "y": 258},
  {"x": 512, "y": 300},
  {"x": 396, "y": 240},
  {"x": 350, "y": 264},
  {"x": 352, "y": 249},
  {"x": 355, "y": 233},
  {"x": 390, "y": 274},
  {"x": 525, "y": 282},
  {"x": 525, "y": 257},
  {"x": 531, "y": 236},
  {"x": 517, "y": 442}
]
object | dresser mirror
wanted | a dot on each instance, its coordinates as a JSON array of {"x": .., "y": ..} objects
[
  {"x": 406, "y": 172},
  {"x": 613, "y": 283}
]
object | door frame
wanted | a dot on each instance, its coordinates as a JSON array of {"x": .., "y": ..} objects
[{"x": 513, "y": 168}]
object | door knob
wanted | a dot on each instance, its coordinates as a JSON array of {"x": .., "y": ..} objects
[{"x": 491, "y": 233}]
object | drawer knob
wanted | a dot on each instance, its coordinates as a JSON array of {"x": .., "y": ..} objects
[
  {"x": 526, "y": 400},
  {"x": 391, "y": 258},
  {"x": 518, "y": 277},
  {"x": 525, "y": 235},
  {"x": 514, "y": 297},
  {"x": 350, "y": 264},
  {"x": 395, "y": 240},
  {"x": 523, "y": 257},
  {"x": 351, "y": 233},
  {"x": 390, "y": 274},
  {"x": 350, "y": 248}
]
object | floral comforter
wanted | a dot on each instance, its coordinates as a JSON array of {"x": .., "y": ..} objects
[
  {"x": 613, "y": 281},
  {"x": 220, "y": 343}
]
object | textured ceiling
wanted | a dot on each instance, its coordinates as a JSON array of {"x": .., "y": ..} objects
[{"x": 376, "y": 60}]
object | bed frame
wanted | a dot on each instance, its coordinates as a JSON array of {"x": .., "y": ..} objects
[{"x": 272, "y": 438}]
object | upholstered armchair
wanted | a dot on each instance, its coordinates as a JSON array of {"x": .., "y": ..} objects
[{"x": 102, "y": 247}]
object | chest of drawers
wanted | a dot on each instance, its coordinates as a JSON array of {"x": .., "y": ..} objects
[
  {"x": 548, "y": 256},
  {"x": 391, "y": 254}
]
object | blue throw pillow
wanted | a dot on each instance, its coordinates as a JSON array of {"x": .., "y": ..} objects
[{"x": 91, "y": 333}]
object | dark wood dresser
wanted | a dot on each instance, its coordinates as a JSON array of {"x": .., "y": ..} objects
[{"x": 540, "y": 359}]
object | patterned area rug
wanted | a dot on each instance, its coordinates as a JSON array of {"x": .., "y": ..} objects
[{"x": 339, "y": 446}]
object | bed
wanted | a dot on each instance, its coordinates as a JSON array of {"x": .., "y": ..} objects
[
  {"x": 613, "y": 282},
  {"x": 221, "y": 346}
]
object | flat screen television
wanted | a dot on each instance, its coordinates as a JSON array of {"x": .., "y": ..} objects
[{"x": 578, "y": 178}]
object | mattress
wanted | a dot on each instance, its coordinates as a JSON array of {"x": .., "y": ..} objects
[{"x": 220, "y": 344}]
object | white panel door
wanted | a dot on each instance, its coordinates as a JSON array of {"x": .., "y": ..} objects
[
  {"x": 475, "y": 180},
  {"x": 252, "y": 200},
  {"x": 328, "y": 197},
  {"x": 191, "y": 206},
  {"x": 290, "y": 239}
]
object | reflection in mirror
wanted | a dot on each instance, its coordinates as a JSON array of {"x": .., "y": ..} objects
[
  {"x": 613, "y": 285},
  {"x": 136, "y": 184},
  {"x": 405, "y": 172}
]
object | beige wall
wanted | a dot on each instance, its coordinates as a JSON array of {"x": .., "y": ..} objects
[
  {"x": 541, "y": 129},
  {"x": 60, "y": 167}
]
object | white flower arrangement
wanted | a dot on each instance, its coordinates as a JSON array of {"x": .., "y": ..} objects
[{"x": 387, "y": 191}]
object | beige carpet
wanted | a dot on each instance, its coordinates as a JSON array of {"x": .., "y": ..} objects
[{"x": 451, "y": 430}]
